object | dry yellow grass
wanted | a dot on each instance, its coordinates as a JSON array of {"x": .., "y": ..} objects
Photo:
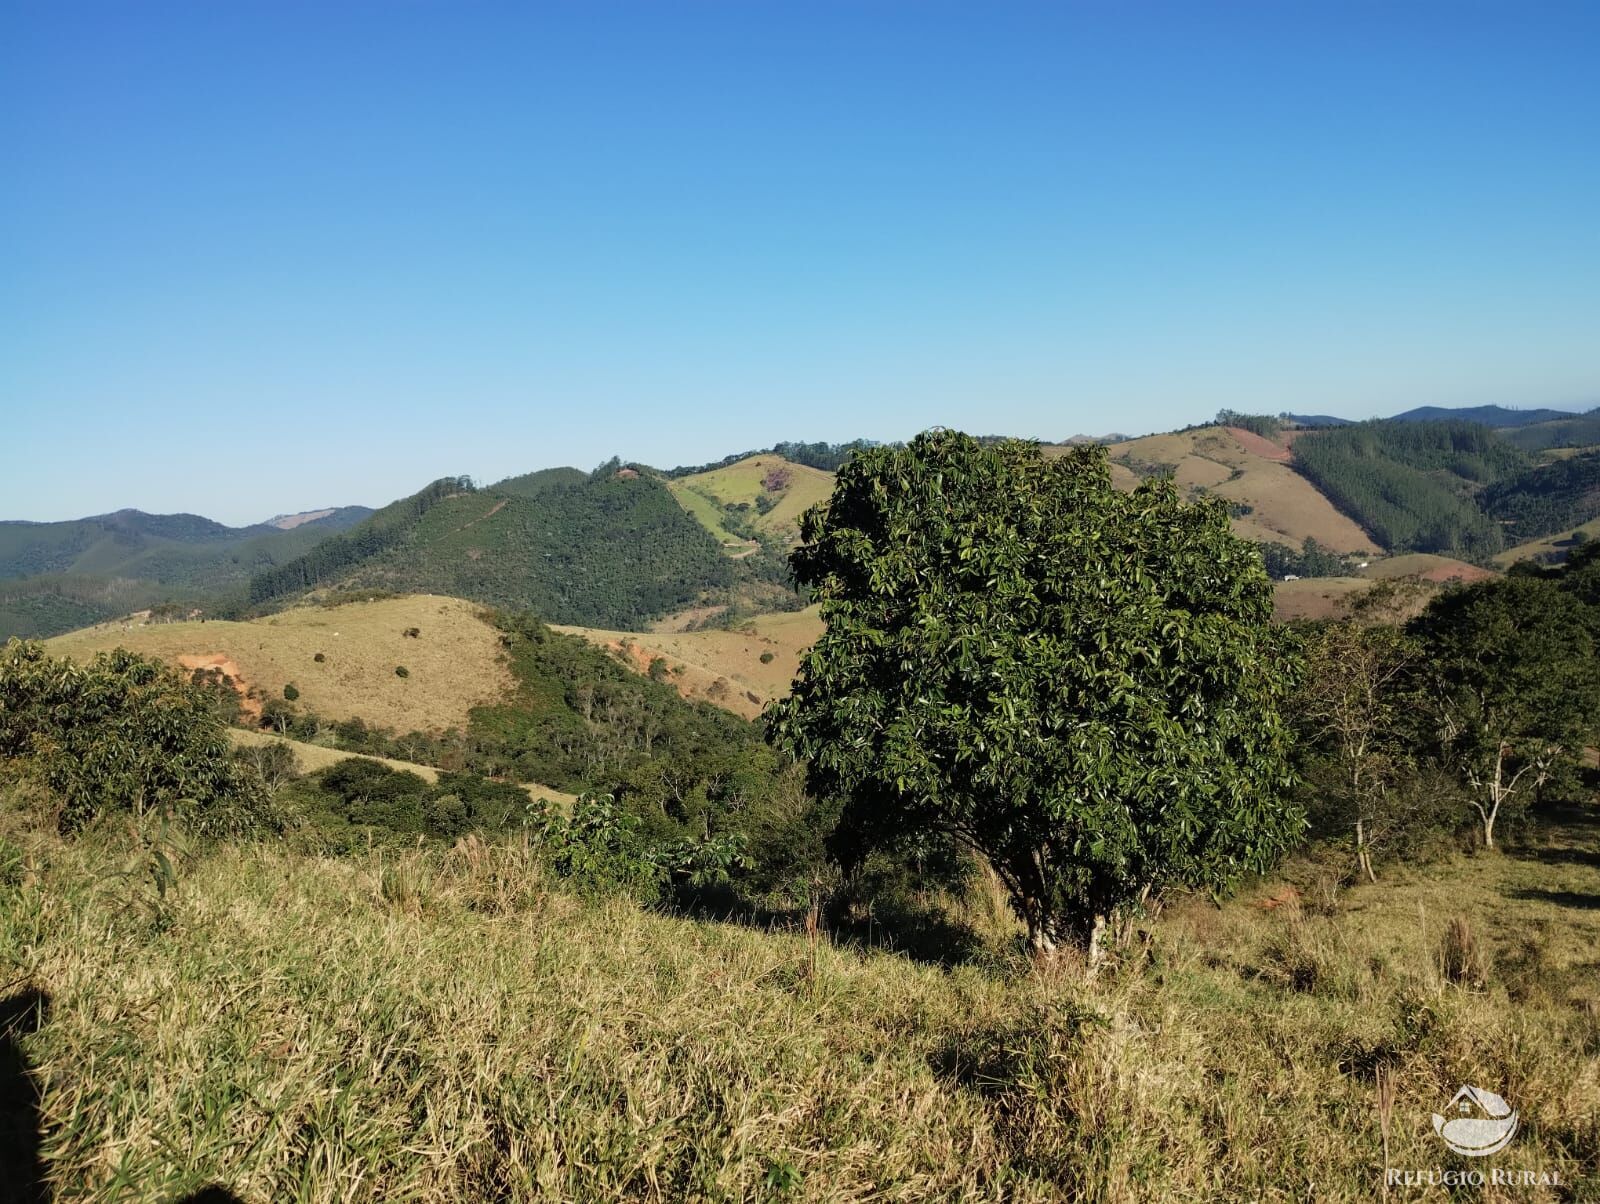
[
  {"x": 445, "y": 1026},
  {"x": 1427, "y": 565},
  {"x": 1285, "y": 507},
  {"x": 453, "y": 666},
  {"x": 1315, "y": 597},
  {"x": 698, "y": 660}
]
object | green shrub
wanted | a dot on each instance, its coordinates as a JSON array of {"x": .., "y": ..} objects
[
  {"x": 401, "y": 671},
  {"x": 290, "y": 693},
  {"x": 122, "y": 733}
]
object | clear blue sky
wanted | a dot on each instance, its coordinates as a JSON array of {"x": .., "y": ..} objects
[{"x": 256, "y": 257}]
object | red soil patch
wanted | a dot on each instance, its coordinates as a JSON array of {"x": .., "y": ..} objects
[
  {"x": 1272, "y": 902},
  {"x": 220, "y": 660},
  {"x": 1467, "y": 573},
  {"x": 1257, "y": 446}
]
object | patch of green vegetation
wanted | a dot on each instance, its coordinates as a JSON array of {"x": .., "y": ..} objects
[{"x": 1412, "y": 485}]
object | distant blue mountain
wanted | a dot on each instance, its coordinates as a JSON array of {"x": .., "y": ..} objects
[{"x": 1496, "y": 416}]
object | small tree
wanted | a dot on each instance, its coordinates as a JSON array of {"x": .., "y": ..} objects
[
  {"x": 122, "y": 733},
  {"x": 1082, "y": 685},
  {"x": 1352, "y": 700},
  {"x": 1513, "y": 686}
]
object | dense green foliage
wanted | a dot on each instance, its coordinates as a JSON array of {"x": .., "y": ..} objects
[
  {"x": 1552, "y": 497},
  {"x": 1261, "y": 424},
  {"x": 1498, "y": 417},
  {"x": 1511, "y": 683},
  {"x": 1081, "y": 684},
  {"x": 611, "y": 549},
  {"x": 335, "y": 557},
  {"x": 121, "y": 733},
  {"x": 1411, "y": 484},
  {"x": 1310, "y": 560}
]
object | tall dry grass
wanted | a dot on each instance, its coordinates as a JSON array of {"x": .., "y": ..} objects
[{"x": 452, "y": 1025}]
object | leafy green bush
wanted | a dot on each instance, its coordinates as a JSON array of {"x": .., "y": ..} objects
[{"x": 123, "y": 733}]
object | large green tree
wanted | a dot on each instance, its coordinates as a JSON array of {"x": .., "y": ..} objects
[
  {"x": 1513, "y": 683},
  {"x": 1082, "y": 685}
]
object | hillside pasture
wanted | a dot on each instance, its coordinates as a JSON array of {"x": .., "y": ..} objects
[
  {"x": 718, "y": 665},
  {"x": 453, "y": 665},
  {"x": 1315, "y": 597},
  {"x": 746, "y": 480},
  {"x": 1427, "y": 566},
  {"x": 1284, "y": 506}
]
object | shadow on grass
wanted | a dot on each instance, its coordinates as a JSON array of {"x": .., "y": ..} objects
[
  {"x": 1580, "y": 900},
  {"x": 21, "y": 1170},
  {"x": 922, "y": 934}
]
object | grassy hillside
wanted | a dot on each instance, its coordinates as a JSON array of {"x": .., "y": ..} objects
[
  {"x": 724, "y": 667},
  {"x": 453, "y": 665},
  {"x": 461, "y": 1029},
  {"x": 1274, "y": 503},
  {"x": 1550, "y": 547},
  {"x": 764, "y": 491}
]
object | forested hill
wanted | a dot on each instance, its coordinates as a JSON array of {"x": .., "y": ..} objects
[
  {"x": 60, "y": 575},
  {"x": 609, "y": 549},
  {"x": 1456, "y": 488}
]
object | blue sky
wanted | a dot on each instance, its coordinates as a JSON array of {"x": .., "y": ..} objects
[{"x": 262, "y": 257}]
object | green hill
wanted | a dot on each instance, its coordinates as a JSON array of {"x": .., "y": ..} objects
[
  {"x": 610, "y": 549},
  {"x": 61, "y": 575},
  {"x": 1413, "y": 484},
  {"x": 1582, "y": 430}
]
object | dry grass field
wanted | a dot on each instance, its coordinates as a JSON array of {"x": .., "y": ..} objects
[
  {"x": 1285, "y": 507},
  {"x": 1315, "y": 597},
  {"x": 454, "y": 664},
  {"x": 451, "y": 1025},
  {"x": 721, "y": 666},
  {"x": 1427, "y": 566}
]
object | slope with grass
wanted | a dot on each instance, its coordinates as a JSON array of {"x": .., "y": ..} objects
[
  {"x": 1551, "y": 548},
  {"x": 764, "y": 490},
  {"x": 453, "y": 664},
  {"x": 721, "y": 666},
  {"x": 309, "y": 758},
  {"x": 1272, "y": 502},
  {"x": 463, "y": 1029}
]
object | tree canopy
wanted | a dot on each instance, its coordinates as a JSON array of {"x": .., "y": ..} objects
[{"x": 1081, "y": 684}]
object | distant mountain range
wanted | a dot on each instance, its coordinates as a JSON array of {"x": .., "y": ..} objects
[{"x": 626, "y": 544}]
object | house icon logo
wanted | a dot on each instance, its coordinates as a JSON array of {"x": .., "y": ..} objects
[{"x": 1480, "y": 1123}]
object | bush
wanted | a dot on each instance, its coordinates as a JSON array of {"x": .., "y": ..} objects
[
  {"x": 290, "y": 693},
  {"x": 767, "y": 658},
  {"x": 122, "y": 733},
  {"x": 401, "y": 671},
  {"x": 319, "y": 658}
]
